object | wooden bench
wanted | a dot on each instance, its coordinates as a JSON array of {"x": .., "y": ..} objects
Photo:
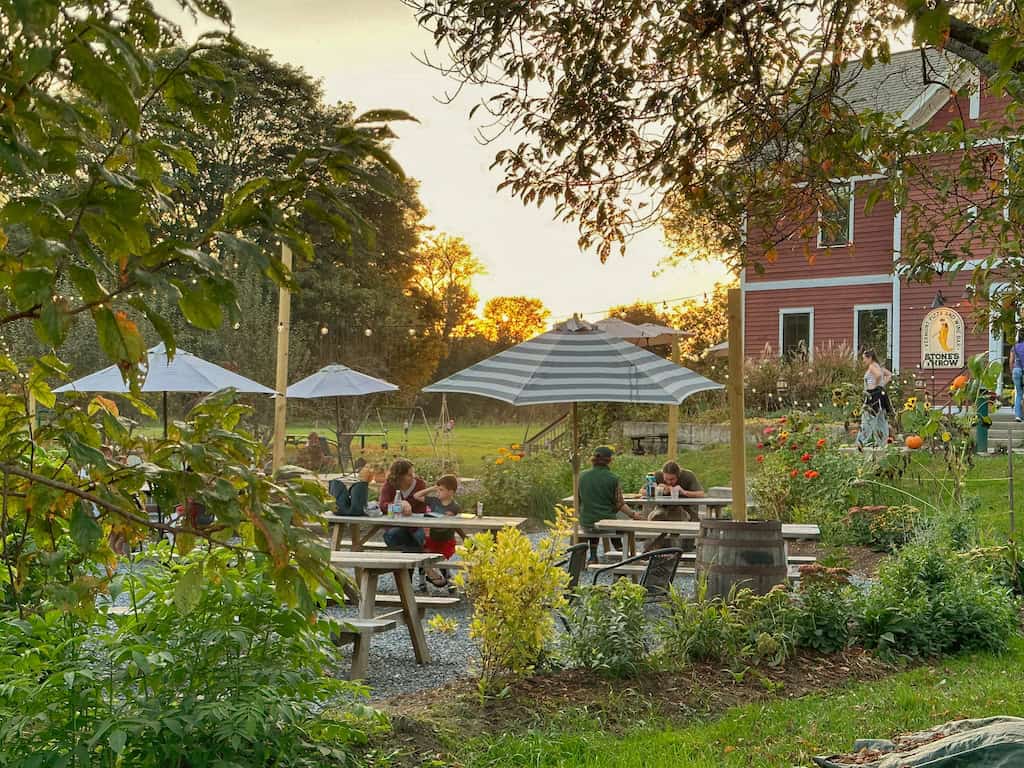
[
  {"x": 358, "y": 632},
  {"x": 450, "y": 564},
  {"x": 423, "y": 602},
  {"x": 636, "y": 570}
]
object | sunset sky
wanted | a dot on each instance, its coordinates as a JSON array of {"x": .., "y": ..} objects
[{"x": 363, "y": 50}]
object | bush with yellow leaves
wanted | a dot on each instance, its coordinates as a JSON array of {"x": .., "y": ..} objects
[{"x": 514, "y": 589}]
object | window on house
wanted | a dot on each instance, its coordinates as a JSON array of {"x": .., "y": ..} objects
[
  {"x": 835, "y": 219},
  {"x": 796, "y": 333},
  {"x": 871, "y": 331}
]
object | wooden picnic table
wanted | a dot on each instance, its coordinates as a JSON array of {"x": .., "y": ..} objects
[
  {"x": 369, "y": 567},
  {"x": 687, "y": 530},
  {"x": 461, "y": 525},
  {"x": 713, "y": 504}
]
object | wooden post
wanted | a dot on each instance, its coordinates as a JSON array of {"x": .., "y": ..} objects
[
  {"x": 1009, "y": 459},
  {"x": 737, "y": 434},
  {"x": 284, "y": 317},
  {"x": 673, "y": 411}
]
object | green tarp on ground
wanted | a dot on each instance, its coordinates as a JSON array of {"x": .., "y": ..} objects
[{"x": 991, "y": 742}]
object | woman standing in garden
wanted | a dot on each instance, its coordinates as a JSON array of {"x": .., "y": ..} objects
[
  {"x": 1017, "y": 373},
  {"x": 874, "y": 417}
]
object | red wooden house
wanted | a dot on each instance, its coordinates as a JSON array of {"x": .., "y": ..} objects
[{"x": 839, "y": 288}]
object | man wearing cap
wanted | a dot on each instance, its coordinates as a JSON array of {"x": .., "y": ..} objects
[{"x": 601, "y": 499}]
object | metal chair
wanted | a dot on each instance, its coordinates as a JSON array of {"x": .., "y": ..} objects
[
  {"x": 659, "y": 574},
  {"x": 574, "y": 560}
]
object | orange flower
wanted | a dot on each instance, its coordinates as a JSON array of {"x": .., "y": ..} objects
[
  {"x": 499, "y": 461},
  {"x": 515, "y": 457},
  {"x": 794, "y": 472},
  {"x": 821, "y": 443},
  {"x": 810, "y": 474},
  {"x": 805, "y": 458},
  {"x": 760, "y": 458},
  {"x": 503, "y": 451}
]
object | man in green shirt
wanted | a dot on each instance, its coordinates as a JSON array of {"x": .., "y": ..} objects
[{"x": 601, "y": 499}]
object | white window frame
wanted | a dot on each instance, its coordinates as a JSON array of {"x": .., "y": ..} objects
[
  {"x": 974, "y": 106},
  {"x": 810, "y": 327},
  {"x": 888, "y": 327},
  {"x": 849, "y": 233}
]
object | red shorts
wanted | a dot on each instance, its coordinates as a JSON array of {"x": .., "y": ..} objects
[{"x": 445, "y": 547}]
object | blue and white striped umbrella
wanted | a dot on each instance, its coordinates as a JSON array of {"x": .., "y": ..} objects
[{"x": 577, "y": 363}]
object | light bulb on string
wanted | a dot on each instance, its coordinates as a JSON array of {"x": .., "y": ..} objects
[
  {"x": 412, "y": 331},
  {"x": 368, "y": 332},
  {"x": 323, "y": 330}
]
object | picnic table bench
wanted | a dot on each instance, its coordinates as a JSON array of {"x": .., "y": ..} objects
[
  {"x": 358, "y": 632},
  {"x": 687, "y": 530}
]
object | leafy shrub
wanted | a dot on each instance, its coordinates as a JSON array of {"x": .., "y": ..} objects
[
  {"x": 529, "y": 487},
  {"x": 211, "y": 672},
  {"x": 824, "y": 609},
  {"x": 607, "y": 628},
  {"x": 884, "y": 528},
  {"x": 746, "y": 628},
  {"x": 513, "y": 588},
  {"x": 1005, "y": 564},
  {"x": 926, "y": 602},
  {"x": 810, "y": 382}
]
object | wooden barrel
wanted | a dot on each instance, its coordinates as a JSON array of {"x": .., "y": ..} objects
[{"x": 745, "y": 555}]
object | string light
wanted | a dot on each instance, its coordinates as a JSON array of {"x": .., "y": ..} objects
[
  {"x": 323, "y": 330},
  {"x": 368, "y": 332}
]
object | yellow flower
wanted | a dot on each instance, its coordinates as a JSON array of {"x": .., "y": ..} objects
[
  {"x": 499, "y": 461},
  {"x": 946, "y": 437},
  {"x": 503, "y": 451},
  {"x": 515, "y": 457},
  {"x": 516, "y": 446},
  {"x": 911, "y": 404},
  {"x": 783, "y": 436}
]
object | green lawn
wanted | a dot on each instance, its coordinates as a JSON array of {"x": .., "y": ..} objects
[
  {"x": 779, "y": 734},
  {"x": 468, "y": 444}
]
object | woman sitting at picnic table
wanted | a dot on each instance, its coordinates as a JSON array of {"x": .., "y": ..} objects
[
  {"x": 401, "y": 487},
  {"x": 601, "y": 499}
]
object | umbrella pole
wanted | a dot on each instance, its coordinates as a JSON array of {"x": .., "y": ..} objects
[
  {"x": 673, "y": 412},
  {"x": 575, "y": 456},
  {"x": 165, "y": 414},
  {"x": 337, "y": 430}
]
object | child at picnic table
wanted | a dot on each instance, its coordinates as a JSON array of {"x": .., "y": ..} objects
[{"x": 440, "y": 500}]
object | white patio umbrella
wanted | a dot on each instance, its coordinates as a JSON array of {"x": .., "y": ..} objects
[
  {"x": 183, "y": 373},
  {"x": 338, "y": 381},
  {"x": 576, "y": 362}
]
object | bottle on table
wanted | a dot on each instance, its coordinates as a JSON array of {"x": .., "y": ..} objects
[
  {"x": 479, "y": 509},
  {"x": 395, "y": 507},
  {"x": 650, "y": 485}
]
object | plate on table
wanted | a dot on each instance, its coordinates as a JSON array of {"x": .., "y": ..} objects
[{"x": 467, "y": 515}]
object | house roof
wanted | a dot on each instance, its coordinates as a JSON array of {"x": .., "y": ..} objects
[{"x": 899, "y": 87}]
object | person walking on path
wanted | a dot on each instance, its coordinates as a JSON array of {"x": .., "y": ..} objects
[
  {"x": 1017, "y": 374},
  {"x": 601, "y": 499},
  {"x": 874, "y": 417}
]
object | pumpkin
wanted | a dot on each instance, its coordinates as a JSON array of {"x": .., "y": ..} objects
[
  {"x": 913, "y": 442},
  {"x": 959, "y": 382}
]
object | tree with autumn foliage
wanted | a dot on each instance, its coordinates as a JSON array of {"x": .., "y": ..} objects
[
  {"x": 640, "y": 312},
  {"x": 509, "y": 320},
  {"x": 444, "y": 271},
  {"x": 705, "y": 320}
]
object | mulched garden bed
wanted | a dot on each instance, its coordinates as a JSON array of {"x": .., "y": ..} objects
[{"x": 422, "y": 720}]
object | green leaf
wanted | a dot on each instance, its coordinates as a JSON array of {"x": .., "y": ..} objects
[
  {"x": 119, "y": 336},
  {"x": 200, "y": 310},
  {"x": 188, "y": 590},
  {"x": 104, "y": 83},
  {"x": 51, "y": 324},
  {"x": 85, "y": 531},
  {"x": 117, "y": 741},
  {"x": 32, "y": 287}
]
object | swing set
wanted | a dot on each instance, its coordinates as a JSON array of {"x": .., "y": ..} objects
[{"x": 439, "y": 436}]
